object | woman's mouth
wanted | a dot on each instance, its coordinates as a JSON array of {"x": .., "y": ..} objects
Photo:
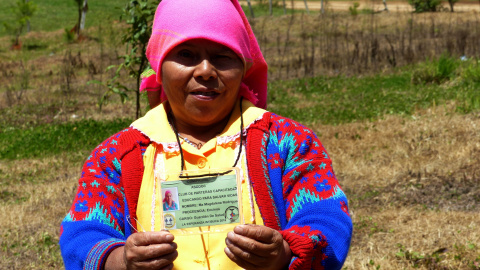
[{"x": 205, "y": 95}]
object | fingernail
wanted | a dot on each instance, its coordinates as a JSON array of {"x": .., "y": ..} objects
[
  {"x": 238, "y": 229},
  {"x": 169, "y": 237}
]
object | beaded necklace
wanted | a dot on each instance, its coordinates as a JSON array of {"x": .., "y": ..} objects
[{"x": 196, "y": 145}]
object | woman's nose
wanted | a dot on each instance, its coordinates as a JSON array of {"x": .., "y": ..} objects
[{"x": 205, "y": 70}]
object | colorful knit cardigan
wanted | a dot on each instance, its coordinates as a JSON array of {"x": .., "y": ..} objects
[{"x": 294, "y": 184}]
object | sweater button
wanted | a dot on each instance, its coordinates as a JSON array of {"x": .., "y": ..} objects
[{"x": 201, "y": 163}]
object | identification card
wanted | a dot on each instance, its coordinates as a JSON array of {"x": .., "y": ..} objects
[{"x": 201, "y": 201}]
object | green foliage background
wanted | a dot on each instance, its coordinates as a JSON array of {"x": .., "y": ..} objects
[{"x": 52, "y": 15}]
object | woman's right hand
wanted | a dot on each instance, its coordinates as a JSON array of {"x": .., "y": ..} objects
[{"x": 144, "y": 250}]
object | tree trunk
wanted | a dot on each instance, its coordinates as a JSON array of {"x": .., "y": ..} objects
[
  {"x": 270, "y": 9},
  {"x": 306, "y": 6},
  {"x": 83, "y": 15},
  {"x": 251, "y": 9},
  {"x": 385, "y": 4},
  {"x": 323, "y": 10},
  {"x": 284, "y": 7},
  {"x": 28, "y": 21},
  {"x": 450, "y": 2},
  {"x": 77, "y": 27}
]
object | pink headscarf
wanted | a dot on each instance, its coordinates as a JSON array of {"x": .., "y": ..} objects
[
  {"x": 221, "y": 21},
  {"x": 166, "y": 195}
]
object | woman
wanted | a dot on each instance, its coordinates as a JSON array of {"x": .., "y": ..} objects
[
  {"x": 212, "y": 80},
  {"x": 168, "y": 203}
]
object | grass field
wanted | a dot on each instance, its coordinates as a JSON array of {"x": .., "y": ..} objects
[
  {"x": 53, "y": 15},
  {"x": 404, "y": 139}
]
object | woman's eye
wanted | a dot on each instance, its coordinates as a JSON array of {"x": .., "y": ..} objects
[
  {"x": 185, "y": 54},
  {"x": 222, "y": 56}
]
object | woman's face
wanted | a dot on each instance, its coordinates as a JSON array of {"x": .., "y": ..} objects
[
  {"x": 169, "y": 198},
  {"x": 201, "y": 79}
]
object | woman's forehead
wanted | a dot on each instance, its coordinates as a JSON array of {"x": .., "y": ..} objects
[{"x": 204, "y": 43}]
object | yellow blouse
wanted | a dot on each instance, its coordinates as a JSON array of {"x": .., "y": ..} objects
[{"x": 200, "y": 251}]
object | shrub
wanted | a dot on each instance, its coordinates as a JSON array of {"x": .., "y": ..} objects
[
  {"x": 69, "y": 36},
  {"x": 446, "y": 67},
  {"x": 354, "y": 9},
  {"x": 425, "y": 5},
  {"x": 471, "y": 73},
  {"x": 437, "y": 71},
  {"x": 424, "y": 74}
]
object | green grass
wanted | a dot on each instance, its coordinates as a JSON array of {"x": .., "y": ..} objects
[
  {"x": 47, "y": 140},
  {"x": 337, "y": 100},
  {"x": 53, "y": 15}
]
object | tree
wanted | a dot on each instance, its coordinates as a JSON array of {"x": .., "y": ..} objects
[
  {"x": 82, "y": 14},
  {"x": 425, "y": 5},
  {"x": 306, "y": 6},
  {"x": 139, "y": 15},
  {"x": 28, "y": 21},
  {"x": 451, "y": 3},
  {"x": 251, "y": 9},
  {"x": 385, "y": 5},
  {"x": 23, "y": 10}
]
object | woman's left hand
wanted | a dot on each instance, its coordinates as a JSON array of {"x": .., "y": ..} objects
[{"x": 257, "y": 247}]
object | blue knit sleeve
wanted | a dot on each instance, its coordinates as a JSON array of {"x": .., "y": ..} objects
[
  {"x": 312, "y": 208},
  {"x": 95, "y": 224}
]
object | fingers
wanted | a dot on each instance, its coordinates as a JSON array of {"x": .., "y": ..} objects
[
  {"x": 245, "y": 252},
  {"x": 247, "y": 246},
  {"x": 148, "y": 238},
  {"x": 257, "y": 247},
  {"x": 260, "y": 233},
  {"x": 239, "y": 261},
  {"x": 163, "y": 262},
  {"x": 145, "y": 253},
  {"x": 149, "y": 245},
  {"x": 150, "y": 250}
]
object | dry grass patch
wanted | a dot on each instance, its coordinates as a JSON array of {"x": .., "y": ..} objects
[
  {"x": 49, "y": 84},
  {"x": 406, "y": 238},
  {"x": 29, "y": 228},
  {"x": 413, "y": 186},
  {"x": 433, "y": 141}
]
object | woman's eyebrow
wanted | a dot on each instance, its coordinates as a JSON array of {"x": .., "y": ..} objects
[{"x": 226, "y": 50}]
